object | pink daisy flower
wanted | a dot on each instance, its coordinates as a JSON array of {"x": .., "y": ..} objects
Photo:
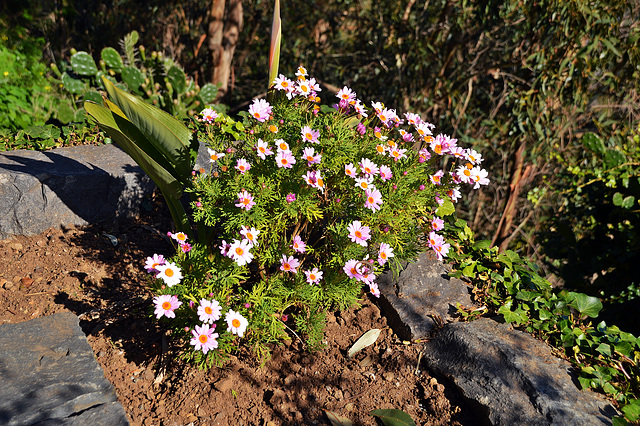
[
  {"x": 169, "y": 273},
  {"x": 309, "y": 135},
  {"x": 368, "y": 167},
  {"x": 214, "y": 156},
  {"x": 180, "y": 237},
  {"x": 283, "y": 83},
  {"x": 385, "y": 252},
  {"x": 423, "y": 155},
  {"x": 439, "y": 246},
  {"x": 346, "y": 94},
  {"x": 385, "y": 172},
  {"x": 437, "y": 224},
  {"x": 209, "y": 311},
  {"x": 377, "y": 132},
  {"x": 236, "y": 323},
  {"x": 243, "y": 165},
  {"x": 423, "y": 129},
  {"x": 464, "y": 173},
  {"x": 153, "y": 262},
  {"x": 281, "y": 145},
  {"x": 313, "y": 276},
  {"x": 479, "y": 177},
  {"x": 351, "y": 269},
  {"x": 454, "y": 194},
  {"x": 374, "y": 290},
  {"x": 350, "y": 170},
  {"x": 373, "y": 199},
  {"x": 263, "y": 149},
  {"x": 412, "y": 118},
  {"x": 298, "y": 245},
  {"x": 251, "y": 235},
  {"x": 209, "y": 115},
  {"x": 289, "y": 264},
  {"x": 359, "y": 233},
  {"x": 397, "y": 153},
  {"x": 365, "y": 183},
  {"x": 285, "y": 159},
  {"x": 245, "y": 200},
  {"x": 165, "y": 305},
  {"x": 204, "y": 338},
  {"x": 473, "y": 156},
  {"x": 291, "y": 197},
  {"x": 436, "y": 178},
  {"x": 360, "y": 109},
  {"x": 239, "y": 252},
  {"x": 260, "y": 110},
  {"x": 311, "y": 157}
]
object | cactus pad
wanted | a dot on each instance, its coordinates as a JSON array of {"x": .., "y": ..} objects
[
  {"x": 93, "y": 96},
  {"x": 112, "y": 58},
  {"x": 208, "y": 93},
  {"x": 73, "y": 85},
  {"x": 178, "y": 80},
  {"x": 132, "y": 77},
  {"x": 83, "y": 64}
]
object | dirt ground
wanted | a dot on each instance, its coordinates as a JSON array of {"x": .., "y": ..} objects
[{"x": 79, "y": 269}]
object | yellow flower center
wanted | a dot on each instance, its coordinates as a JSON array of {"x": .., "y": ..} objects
[
  {"x": 309, "y": 136},
  {"x": 312, "y": 277},
  {"x": 256, "y": 114},
  {"x": 249, "y": 236},
  {"x": 166, "y": 306},
  {"x": 208, "y": 310},
  {"x": 371, "y": 200},
  {"x": 168, "y": 272},
  {"x": 214, "y": 157},
  {"x": 383, "y": 255},
  {"x": 245, "y": 201},
  {"x": 235, "y": 322},
  {"x": 203, "y": 338},
  {"x": 438, "y": 149},
  {"x": 358, "y": 234},
  {"x": 286, "y": 266},
  {"x": 284, "y": 162},
  {"x": 364, "y": 185},
  {"x": 262, "y": 150},
  {"x": 285, "y": 84},
  {"x": 239, "y": 251},
  {"x": 283, "y": 146}
]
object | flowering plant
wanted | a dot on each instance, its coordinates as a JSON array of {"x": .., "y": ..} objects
[{"x": 303, "y": 205}]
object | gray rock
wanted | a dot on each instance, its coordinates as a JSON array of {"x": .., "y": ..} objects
[
  {"x": 514, "y": 376},
  {"x": 423, "y": 289},
  {"x": 50, "y": 376},
  {"x": 75, "y": 185}
]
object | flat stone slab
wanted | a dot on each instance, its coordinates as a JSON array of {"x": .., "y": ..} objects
[
  {"x": 75, "y": 185},
  {"x": 51, "y": 377},
  {"x": 422, "y": 290},
  {"x": 513, "y": 376}
]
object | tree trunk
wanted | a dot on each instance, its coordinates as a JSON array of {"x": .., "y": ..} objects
[{"x": 224, "y": 30}]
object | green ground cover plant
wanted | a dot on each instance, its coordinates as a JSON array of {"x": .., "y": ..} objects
[{"x": 508, "y": 285}]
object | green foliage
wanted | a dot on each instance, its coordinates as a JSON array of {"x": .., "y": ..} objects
[
  {"x": 159, "y": 143},
  {"x": 302, "y": 205},
  {"x": 393, "y": 417},
  {"x": 510, "y": 285},
  {"x": 155, "y": 78},
  {"x": 589, "y": 237}
]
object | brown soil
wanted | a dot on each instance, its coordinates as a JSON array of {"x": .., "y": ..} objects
[{"x": 79, "y": 269}]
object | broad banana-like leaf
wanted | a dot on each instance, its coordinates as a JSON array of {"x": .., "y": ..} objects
[
  {"x": 170, "y": 187},
  {"x": 167, "y": 183},
  {"x": 133, "y": 133},
  {"x": 167, "y": 134},
  {"x": 276, "y": 38}
]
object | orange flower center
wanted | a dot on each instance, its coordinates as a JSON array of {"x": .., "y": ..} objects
[
  {"x": 256, "y": 114},
  {"x": 208, "y": 310},
  {"x": 358, "y": 234},
  {"x": 168, "y": 272},
  {"x": 284, "y": 161},
  {"x": 245, "y": 201},
  {"x": 235, "y": 322},
  {"x": 286, "y": 266},
  {"x": 239, "y": 251},
  {"x": 203, "y": 338},
  {"x": 214, "y": 157},
  {"x": 312, "y": 277},
  {"x": 383, "y": 255},
  {"x": 309, "y": 136},
  {"x": 438, "y": 149},
  {"x": 249, "y": 236},
  {"x": 364, "y": 185},
  {"x": 320, "y": 182},
  {"x": 371, "y": 200},
  {"x": 166, "y": 306}
]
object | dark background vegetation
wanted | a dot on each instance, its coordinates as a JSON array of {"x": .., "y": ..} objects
[{"x": 548, "y": 91}]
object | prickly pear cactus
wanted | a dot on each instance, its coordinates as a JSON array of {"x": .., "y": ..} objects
[
  {"x": 112, "y": 59},
  {"x": 73, "y": 85},
  {"x": 208, "y": 93},
  {"x": 93, "y": 96},
  {"x": 178, "y": 80},
  {"x": 83, "y": 64},
  {"x": 132, "y": 77}
]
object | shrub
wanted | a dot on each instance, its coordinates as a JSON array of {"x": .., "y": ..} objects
[{"x": 303, "y": 204}]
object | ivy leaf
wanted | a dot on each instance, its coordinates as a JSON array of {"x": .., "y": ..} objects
[
  {"x": 632, "y": 410},
  {"x": 446, "y": 208},
  {"x": 628, "y": 202},
  {"x": 586, "y": 305},
  {"x": 392, "y": 417}
]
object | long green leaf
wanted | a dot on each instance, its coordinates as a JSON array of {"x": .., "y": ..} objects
[
  {"x": 167, "y": 183},
  {"x": 168, "y": 135},
  {"x": 116, "y": 118},
  {"x": 170, "y": 187},
  {"x": 276, "y": 38}
]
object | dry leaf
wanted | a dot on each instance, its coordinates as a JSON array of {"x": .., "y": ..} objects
[{"x": 367, "y": 339}]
